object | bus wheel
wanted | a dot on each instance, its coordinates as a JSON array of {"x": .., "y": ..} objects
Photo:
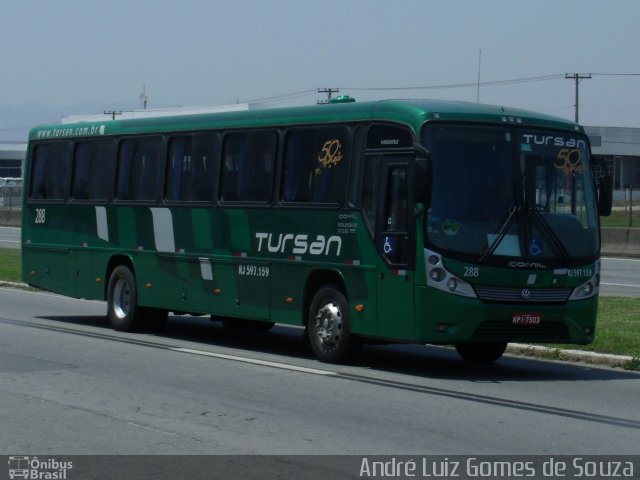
[
  {"x": 328, "y": 326},
  {"x": 481, "y": 352},
  {"x": 122, "y": 307}
]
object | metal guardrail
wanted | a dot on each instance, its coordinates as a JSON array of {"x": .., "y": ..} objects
[
  {"x": 10, "y": 205},
  {"x": 627, "y": 200},
  {"x": 11, "y": 197}
]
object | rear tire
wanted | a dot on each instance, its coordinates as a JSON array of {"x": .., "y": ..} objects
[
  {"x": 329, "y": 326},
  {"x": 481, "y": 352},
  {"x": 122, "y": 301}
]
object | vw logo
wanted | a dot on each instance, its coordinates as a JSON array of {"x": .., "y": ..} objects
[{"x": 525, "y": 294}]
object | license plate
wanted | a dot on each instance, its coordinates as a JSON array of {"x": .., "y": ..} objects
[{"x": 526, "y": 318}]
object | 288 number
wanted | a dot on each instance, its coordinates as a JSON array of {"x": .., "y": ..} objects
[
  {"x": 471, "y": 272},
  {"x": 41, "y": 215}
]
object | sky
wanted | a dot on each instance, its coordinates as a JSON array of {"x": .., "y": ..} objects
[{"x": 65, "y": 57}]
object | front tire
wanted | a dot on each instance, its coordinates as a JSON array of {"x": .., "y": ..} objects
[
  {"x": 328, "y": 326},
  {"x": 481, "y": 352}
]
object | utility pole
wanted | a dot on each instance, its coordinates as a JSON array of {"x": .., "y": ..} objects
[
  {"x": 144, "y": 98},
  {"x": 113, "y": 113},
  {"x": 479, "y": 65},
  {"x": 577, "y": 77},
  {"x": 328, "y": 91}
]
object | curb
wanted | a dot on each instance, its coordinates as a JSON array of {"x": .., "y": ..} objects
[
  {"x": 21, "y": 286},
  {"x": 580, "y": 356}
]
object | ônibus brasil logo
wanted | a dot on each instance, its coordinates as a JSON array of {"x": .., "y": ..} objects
[{"x": 33, "y": 468}]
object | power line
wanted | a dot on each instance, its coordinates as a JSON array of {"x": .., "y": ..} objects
[
  {"x": 539, "y": 78},
  {"x": 616, "y": 74},
  {"x": 285, "y": 96}
]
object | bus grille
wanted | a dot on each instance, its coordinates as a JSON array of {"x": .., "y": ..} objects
[
  {"x": 514, "y": 295},
  {"x": 501, "y": 330}
]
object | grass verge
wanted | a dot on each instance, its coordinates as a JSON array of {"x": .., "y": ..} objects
[
  {"x": 620, "y": 219},
  {"x": 617, "y": 330},
  {"x": 10, "y": 261}
]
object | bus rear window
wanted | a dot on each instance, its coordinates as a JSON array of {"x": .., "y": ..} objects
[{"x": 50, "y": 171}]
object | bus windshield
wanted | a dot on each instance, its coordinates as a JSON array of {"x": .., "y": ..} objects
[{"x": 503, "y": 192}]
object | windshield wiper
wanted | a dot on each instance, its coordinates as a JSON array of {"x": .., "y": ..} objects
[
  {"x": 504, "y": 228},
  {"x": 551, "y": 235}
]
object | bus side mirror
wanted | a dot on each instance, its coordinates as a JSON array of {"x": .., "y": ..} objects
[
  {"x": 605, "y": 195},
  {"x": 422, "y": 174}
]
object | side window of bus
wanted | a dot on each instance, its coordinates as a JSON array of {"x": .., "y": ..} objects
[
  {"x": 138, "y": 162},
  {"x": 50, "y": 171},
  {"x": 316, "y": 166},
  {"x": 190, "y": 168},
  {"x": 369, "y": 202},
  {"x": 93, "y": 170},
  {"x": 248, "y": 166}
]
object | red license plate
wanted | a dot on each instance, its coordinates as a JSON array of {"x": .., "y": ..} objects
[{"x": 526, "y": 318}]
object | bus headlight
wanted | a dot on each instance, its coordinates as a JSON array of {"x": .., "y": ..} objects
[
  {"x": 437, "y": 274},
  {"x": 439, "y": 278},
  {"x": 588, "y": 289}
]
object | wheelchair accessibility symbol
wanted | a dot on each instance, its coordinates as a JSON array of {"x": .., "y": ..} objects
[
  {"x": 388, "y": 245},
  {"x": 535, "y": 247}
]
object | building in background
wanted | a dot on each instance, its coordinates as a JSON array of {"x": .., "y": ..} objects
[
  {"x": 620, "y": 148},
  {"x": 12, "y": 159}
]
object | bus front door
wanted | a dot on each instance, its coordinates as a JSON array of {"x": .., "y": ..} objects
[{"x": 394, "y": 240}]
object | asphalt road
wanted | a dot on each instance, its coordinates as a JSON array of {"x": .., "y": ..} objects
[
  {"x": 9, "y": 237},
  {"x": 620, "y": 277},
  {"x": 71, "y": 385}
]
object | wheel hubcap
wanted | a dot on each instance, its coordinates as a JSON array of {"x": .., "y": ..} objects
[
  {"x": 329, "y": 324},
  {"x": 121, "y": 298}
]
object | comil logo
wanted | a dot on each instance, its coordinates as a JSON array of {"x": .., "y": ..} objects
[{"x": 36, "y": 469}]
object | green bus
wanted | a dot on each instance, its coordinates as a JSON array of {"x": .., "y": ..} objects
[{"x": 396, "y": 221}]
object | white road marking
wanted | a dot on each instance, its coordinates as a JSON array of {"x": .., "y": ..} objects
[
  {"x": 620, "y": 285},
  {"x": 254, "y": 361}
]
